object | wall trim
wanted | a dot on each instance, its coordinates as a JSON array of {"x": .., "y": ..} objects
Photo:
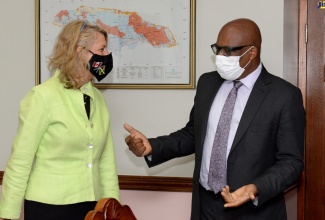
[
  {"x": 154, "y": 183},
  {"x": 157, "y": 183}
]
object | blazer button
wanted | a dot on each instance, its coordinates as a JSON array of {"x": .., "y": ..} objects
[{"x": 88, "y": 165}]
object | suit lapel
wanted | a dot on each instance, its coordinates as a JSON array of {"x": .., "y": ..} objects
[{"x": 256, "y": 98}]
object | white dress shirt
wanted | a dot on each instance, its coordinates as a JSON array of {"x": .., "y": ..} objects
[{"x": 214, "y": 115}]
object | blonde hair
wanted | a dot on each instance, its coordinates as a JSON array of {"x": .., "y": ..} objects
[{"x": 64, "y": 55}]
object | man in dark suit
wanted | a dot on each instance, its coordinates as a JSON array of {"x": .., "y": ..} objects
[{"x": 265, "y": 138}]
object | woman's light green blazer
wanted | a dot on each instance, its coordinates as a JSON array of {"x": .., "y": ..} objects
[{"x": 58, "y": 155}]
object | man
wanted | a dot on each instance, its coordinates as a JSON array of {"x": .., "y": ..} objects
[{"x": 264, "y": 138}]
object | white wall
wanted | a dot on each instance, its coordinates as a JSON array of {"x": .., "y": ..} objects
[
  {"x": 158, "y": 112},
  {"x": 161, "y": 205},
  {"x": 17, "y": 61},
  {"x": 172, "y": 205},
  {"x": 154, "y": 112}
]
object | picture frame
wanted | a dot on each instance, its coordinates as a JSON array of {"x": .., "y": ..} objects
[{"x": 167, "y": 59}]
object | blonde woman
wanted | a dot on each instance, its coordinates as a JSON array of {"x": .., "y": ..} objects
[{"x": 63, "y": 158}]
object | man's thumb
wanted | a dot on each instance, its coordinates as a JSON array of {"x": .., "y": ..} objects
[{"x": 129, "y": 128}]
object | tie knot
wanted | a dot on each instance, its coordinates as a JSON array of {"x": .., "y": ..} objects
[{"x": 237, "y": 84}]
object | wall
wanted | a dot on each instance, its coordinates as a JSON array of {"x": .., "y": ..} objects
[
  {"x": 173, "y": 206},
  {"x": 146, "y": 204},
  {"x": 154, "y": 112},
  {"x": 140, "y": 108}
]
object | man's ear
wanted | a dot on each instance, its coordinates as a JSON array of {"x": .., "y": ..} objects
[{"x": 253, "y": 53}]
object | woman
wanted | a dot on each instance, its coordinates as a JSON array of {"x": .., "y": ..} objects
[{"x": 63, "y": 158}]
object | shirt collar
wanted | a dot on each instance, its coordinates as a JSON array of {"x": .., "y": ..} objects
[
  {"x": 251, "y": 78},
  {"x": 87, "y": 89}
]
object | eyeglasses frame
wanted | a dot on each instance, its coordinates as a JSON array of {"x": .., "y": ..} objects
[{"x": 216, "y": 49}]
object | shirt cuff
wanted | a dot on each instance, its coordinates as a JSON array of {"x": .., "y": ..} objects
[
  {"x": 255, "y": 201},
  {"x": 149, "y": 157}
]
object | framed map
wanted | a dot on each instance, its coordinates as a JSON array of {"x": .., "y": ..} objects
[{"x": 152, "y": 41}]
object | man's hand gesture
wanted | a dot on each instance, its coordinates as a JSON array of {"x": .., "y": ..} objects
[
  {"x": 137, "y": 142},
  {"x": 240, "y": 196}
]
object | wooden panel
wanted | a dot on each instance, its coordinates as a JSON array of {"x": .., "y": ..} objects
[
  {"x": 315, "y": 108},
  {"x": 302, "y": 82},
  {"x": 176, "y": 184},
  {"x": 324, "y": 196}
]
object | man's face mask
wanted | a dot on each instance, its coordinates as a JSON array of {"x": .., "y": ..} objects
[
  {"x": 100, "y": 66},
  {"x": 229, "y": 68}
]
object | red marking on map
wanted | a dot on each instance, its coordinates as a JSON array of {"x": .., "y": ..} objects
[
  {"x": 63, "y": 13},
  {"x": 111, "y": 30},
  {"x": 155, "y": 36}
]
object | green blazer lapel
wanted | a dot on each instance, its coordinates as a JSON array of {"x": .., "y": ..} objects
[{"x": 258, "y": 94}]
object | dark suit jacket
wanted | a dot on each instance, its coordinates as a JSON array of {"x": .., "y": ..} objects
[{"x": 267, "y": 149}]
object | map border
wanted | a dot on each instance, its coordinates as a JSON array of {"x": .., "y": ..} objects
[{"x": 191, "y": 43}]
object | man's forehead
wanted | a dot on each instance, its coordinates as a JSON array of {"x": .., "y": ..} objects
[
  {"x": 229, "y": 36},
  {"x": 229, "y": 41}
]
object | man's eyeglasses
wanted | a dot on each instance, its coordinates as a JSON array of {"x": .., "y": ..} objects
[{"x": 226, "y": 51}]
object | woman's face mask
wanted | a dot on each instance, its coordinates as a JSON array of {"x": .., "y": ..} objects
[
  {"x": 100, "y": 66},
  {"x": 229, "y": 67}
]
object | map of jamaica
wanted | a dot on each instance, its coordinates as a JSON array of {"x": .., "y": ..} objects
[{"x": 124, "y": 28}]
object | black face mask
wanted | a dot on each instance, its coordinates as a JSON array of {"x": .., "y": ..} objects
[{"x": 100, "y": 66}]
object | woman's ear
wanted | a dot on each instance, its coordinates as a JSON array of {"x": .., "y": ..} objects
[
  {"x": 83, "y": 56},
  {"x": 79, "y": 49}
]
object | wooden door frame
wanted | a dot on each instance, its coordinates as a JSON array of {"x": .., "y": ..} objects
[{"x": 302, "y": 84}]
